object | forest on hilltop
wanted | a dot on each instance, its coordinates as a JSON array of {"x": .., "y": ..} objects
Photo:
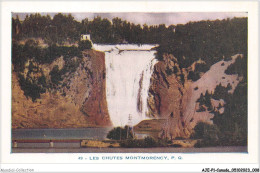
[
  {"x": 64, "y": 28},
  {"x": 205, "y": 40}
]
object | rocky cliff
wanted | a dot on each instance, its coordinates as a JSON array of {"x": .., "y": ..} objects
[
  {"x": 172, "y": 96},
  {"x": 166, "y": 94},
  {"x": 79, "y": 99}
]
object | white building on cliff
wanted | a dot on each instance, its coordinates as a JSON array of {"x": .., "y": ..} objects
[{"x": 85, "y": 37}]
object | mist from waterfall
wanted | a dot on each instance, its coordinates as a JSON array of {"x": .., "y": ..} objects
[{"x": 128, "y": 73}]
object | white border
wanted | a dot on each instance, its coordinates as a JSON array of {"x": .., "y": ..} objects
[{"x": 128, "y": 6}]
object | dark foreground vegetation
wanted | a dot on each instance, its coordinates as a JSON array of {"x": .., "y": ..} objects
[{"x": 126, "y": 139}]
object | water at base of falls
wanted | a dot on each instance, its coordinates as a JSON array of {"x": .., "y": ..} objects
[{"x": 128, "y": 72}]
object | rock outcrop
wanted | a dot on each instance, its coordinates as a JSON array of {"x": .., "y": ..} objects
[
  {"x": 166, "y": 94},
  {"x": 79, "y": 102}
]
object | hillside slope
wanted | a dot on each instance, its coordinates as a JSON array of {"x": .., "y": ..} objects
[
  {"x": 79, "y": 99},
  {"x": 178, "y": 102}
]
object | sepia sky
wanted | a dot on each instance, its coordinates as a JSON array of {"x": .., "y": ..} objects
[{"x": 152, "y": 18}]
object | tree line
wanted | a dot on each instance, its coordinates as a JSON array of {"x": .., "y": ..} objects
[
  {"x": 209, "y": 41},
  {"x": 64, "y": 28}
]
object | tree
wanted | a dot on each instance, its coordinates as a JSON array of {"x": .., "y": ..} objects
[
  {"x": 16, "y": 27},
  {"x": 233, "y": 122},
  {"x": 85, "y": 44},
  {"x": 101, "y": 30},
  {"x": 30, "y": 87},
  {"x": 209, "y": 134},
  {"x": 65, "y": 33},
  {"x": 239, "y": 67},
  {"x": 118, "y": 31},
  {"x": 193, "y": 76},
  {"x": 119, "y": 133},
  {"x": 221, "y": 92},
  {"x": 55, "y": 75}
]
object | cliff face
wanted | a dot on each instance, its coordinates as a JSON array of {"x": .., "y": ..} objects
[
  {"x": 173, "y": 97},
  {"x": 166, "y": 95},
  {"x": 95, "y": 107},
  {"x": 80, "y": 100}
]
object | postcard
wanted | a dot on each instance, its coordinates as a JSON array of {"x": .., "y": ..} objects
[{"x": 102, "y": 86}]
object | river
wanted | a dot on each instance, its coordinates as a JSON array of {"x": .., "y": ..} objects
[{"x": 79, "y": 133}]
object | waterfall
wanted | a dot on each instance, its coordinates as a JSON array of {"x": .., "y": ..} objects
[{"x": 128, "y": 72}]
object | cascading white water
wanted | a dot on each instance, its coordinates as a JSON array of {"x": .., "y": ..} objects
[{"x": 128, "y": 72}]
